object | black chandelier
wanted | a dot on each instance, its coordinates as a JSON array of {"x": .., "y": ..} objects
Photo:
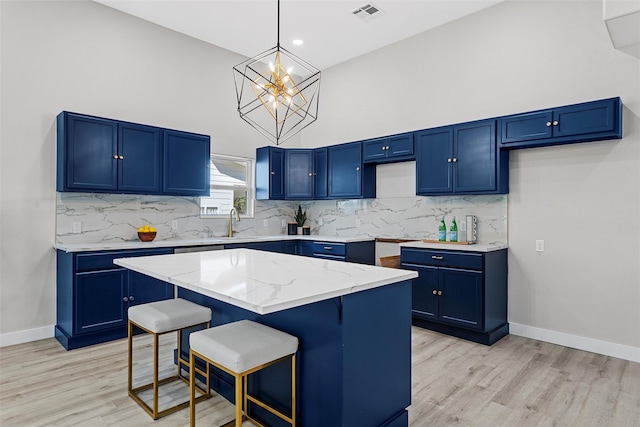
[{"x": 277, "y": 92}]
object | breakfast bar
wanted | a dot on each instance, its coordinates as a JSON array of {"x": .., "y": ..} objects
[{"x": 353, "y": 323}]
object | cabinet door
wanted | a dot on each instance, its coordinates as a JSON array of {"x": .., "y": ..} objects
[
  {"x": 345, "y": 170},
  {"x": 299, "y": 179},
  {"x": 461, "y": 299},
  {"x": 424, "y": 292},
  {"x": 374, "y": 150},
  {"x": 139, "y": 170},
  {"x": 588, "y": 118},
  {"x": 186, "y": 164},
  {"x": 475, "y": 157},
  {"x": 400, "y": 145},
  {"x": 144, "y": 289},
  {"x": 87, "y": 153},
  {"x": 526, "y": 127},
  {"x": 99, "y": 300},
  {"x": 320, "y": 173},
  {"x": 269, "y": 173},
  {"x": 434, "y": 154}
]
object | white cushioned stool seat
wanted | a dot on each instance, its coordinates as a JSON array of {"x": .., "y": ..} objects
[
  {"x": 168, "y": 315},
  {"x": 243, "y": 345}
]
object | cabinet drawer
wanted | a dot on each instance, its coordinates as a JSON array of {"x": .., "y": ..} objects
[
  {"x": 326, "y": 248},
  {"x": 472, "y": 261},
  {"x": 104, "y": 260}
]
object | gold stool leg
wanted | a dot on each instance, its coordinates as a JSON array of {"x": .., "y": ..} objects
[
  {"x": 192, "y": 389},
  {"x": 130, "y": 346},
  {"x": 239, "y": 381},
  {"x": 293, "y": 390},
  {"x": 155, "y": 376}
]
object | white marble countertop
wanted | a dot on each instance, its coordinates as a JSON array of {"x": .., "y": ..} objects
[
  {"x": 176, "y": 243},
  {"x": 264, "y": 282},
  {"x": 453, "y": 247}
]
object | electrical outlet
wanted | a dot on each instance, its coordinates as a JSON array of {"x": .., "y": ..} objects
[
  {"x": 265, "y": 222},
  {"x": 174, "y": 224},
  {"x": 284, "y": 223},
  {"x": 358, "y": 223},
  {"x": 539, "y": 245},
  {"x": 319, "y": 222},
  {"x": 76, "y": 228}
]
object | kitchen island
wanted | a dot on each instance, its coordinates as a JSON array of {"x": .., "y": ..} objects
[{"x": 353, "y": 322}]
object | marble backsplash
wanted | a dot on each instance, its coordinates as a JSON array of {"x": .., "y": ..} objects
[{"x": 116, "y": 217}]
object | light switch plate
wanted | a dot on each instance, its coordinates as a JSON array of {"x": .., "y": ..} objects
[
  {"x": 76, "y": 228},
  {"x": 174, "y": 224},
  {"x": 265, "y": 222},
  {"x": 539, "y": 245}
]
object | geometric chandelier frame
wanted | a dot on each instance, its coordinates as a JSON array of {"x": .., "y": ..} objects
[{"x": 277, "y": 92}]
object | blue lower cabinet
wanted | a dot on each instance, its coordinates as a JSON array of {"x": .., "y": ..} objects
[
  {"x": 93, "y": 295},
  {"x": 588, "y": 121},
  {"x": 358, "y": 252},
  {"x": 260, "y": 246},
  {"x": 459, "y": 293}
]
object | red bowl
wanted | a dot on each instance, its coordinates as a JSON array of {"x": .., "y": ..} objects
[{"x": 146, "y": 236}]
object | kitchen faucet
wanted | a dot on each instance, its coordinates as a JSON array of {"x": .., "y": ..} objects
[{"x": 231, "y": 220}]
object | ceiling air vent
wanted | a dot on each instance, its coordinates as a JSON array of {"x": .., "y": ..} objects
[{"x": 367, "y": 12}]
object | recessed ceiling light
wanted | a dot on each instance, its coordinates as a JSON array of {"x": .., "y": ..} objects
[{"x": 297, "y": 42}]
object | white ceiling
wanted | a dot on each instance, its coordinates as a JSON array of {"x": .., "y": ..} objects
[{"x": 331, "y": 32}]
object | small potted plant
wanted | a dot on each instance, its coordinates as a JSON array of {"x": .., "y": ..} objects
[{"x": 300, "y": 218}]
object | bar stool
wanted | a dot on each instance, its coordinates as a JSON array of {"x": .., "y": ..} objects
[
  {"x": 240, "y": 349},
  {"x": 158, "y": 318}
]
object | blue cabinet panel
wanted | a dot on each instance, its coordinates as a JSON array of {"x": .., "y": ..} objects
[
  {"x": 589, "y": 121},
  {"x": 299, "y": 178},
  {"x": 140, "y": 168},
  {"x": 186, "y": 164},
  {"x": 425, "y": 292},
  {"x": 474, "y": 161},
  {"x": 345, "y": 170},
  {"x": 434, "y": 151},
  {"x": 269, "y": 173},
  {"x": 461, "y": 298},
  {"x": 374, "y": 150},
  {"x": 320, "y": 173},
  {"x": 87, "y": 153},
  {"x": 99, "y": 297}
]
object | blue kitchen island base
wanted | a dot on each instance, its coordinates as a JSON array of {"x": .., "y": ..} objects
[{"x": 354, "y": 360}]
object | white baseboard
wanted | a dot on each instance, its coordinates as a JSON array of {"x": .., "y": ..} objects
[
  {"x": 28, "y": 335},
  {"x": 581, "y": 343}
]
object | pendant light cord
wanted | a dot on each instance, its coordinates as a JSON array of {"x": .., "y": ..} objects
[{"x": 278, "y": 23}]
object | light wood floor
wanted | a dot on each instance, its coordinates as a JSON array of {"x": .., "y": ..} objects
[{"x": 516, "y": 382}]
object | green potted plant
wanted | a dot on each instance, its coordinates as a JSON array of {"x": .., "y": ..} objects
[{"x": 300, "y": 218}]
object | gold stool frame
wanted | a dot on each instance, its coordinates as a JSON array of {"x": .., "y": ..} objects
[
  {"x": 241, "y": 393},
  {"x": 156, "y": 383}
]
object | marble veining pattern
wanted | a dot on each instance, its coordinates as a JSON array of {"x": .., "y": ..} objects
[
  {"x": 111, "y": 218},
  {"x": 264, "y": 282}
]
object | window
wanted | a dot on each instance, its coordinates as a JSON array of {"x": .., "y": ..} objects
[{"x": 231, "y": 186}]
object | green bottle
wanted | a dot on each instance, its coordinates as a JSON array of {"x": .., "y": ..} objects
[
  {"x": 442, "y": 230},
  {"x": 454, "y": 231}
]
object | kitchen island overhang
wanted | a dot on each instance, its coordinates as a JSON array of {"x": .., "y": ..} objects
[{"x": 353, "y": 322}]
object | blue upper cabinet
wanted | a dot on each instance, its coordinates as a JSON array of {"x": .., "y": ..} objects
[
  {"x": 186, "y": 164},
  {"x": 589, "y": 121},
  {"x": 87, "y": 150},
  {"x": 348, "y": 177},
  {"x": 140, "y": 168},
  {"x": 109, "y": 156},
  {"x": 394, "y": 148},
  {"x": 299, "y": 174},
  {"x": 460, "y": 159},
  {"x": 320, "y": 176},
  {"x": 270, "y": 173}
]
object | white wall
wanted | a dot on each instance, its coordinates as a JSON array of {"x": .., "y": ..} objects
[
  {"x": 583, "y": 200},
  {"x": 516, "y": 56},
  {"x": 88, "y": 58}
]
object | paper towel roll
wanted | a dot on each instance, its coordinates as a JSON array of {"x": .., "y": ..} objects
[{"x": 472, "y": 228}]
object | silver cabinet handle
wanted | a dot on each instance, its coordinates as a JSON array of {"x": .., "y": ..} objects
[
  {"x": 115, "y": 156},
  {"x": 439, "y": 293},
  {"x": 437, "y": 257},
  {"x": 121, "y": 157},
  {"x": 435, "y": 292},
  {"x": 455, "y": 159},
  {"x": 131, "y": 298},
  {"x": 273, "y": 173},
  {"x": 125, "y": 299},
  {"x": 548, "y": 124},
  {"x": 555, "y": 123},
  {"x": 310, "y": 174},
  {"x": 328, "y": 248},
  {"x": 449, "y": 160},
  {"x": 358, "y": 168}
]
